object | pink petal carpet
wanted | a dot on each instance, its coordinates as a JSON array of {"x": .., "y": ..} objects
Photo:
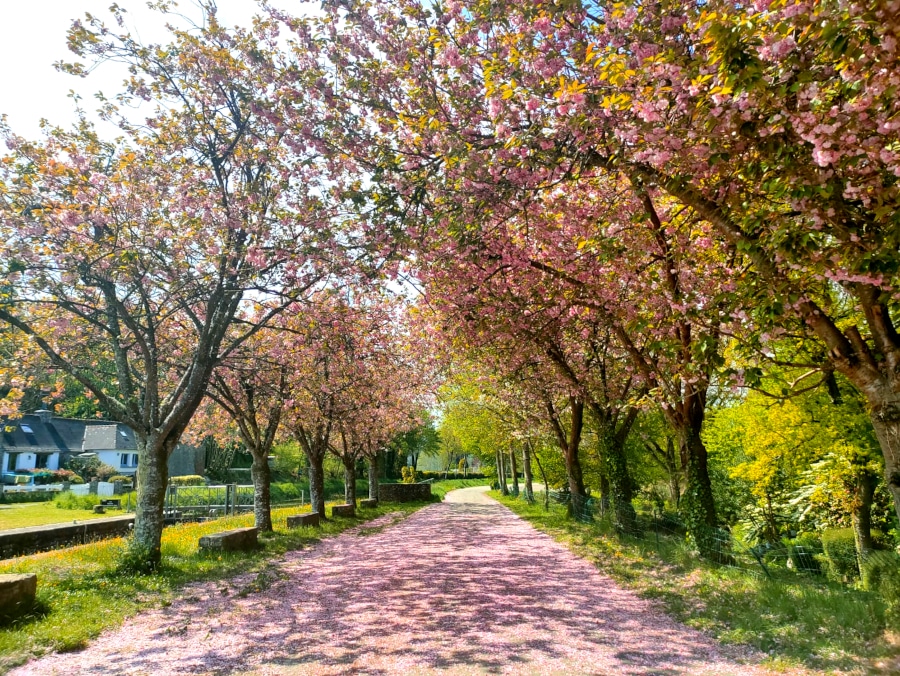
[{"x": 461, "y": 587}]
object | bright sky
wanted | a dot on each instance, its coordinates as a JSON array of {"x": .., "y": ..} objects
[{"x": 33, "y": 38}]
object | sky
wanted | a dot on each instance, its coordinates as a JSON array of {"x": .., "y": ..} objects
[{"x": 33, "y": 38}]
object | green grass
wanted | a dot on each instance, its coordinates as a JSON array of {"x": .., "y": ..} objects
[
  {"x": 441, "y": 488},
  {"x": 800, "y": 622},
  {"x": 81, "y": 593},
  {"x": 27, "y": 514}
]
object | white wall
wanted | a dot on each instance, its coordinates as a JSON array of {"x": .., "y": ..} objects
[
  {"x": 114, "y": 459},
  {"x": 29, "y": 461}
]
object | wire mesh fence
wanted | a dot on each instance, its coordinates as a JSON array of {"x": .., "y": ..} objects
[{"x": 801, "y": 558}]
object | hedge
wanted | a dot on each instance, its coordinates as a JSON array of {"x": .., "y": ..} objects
[
  {"x": 33, "y": 496},
  {"x": 839, "y": 546},
  {"x": 188, "y": 480}
]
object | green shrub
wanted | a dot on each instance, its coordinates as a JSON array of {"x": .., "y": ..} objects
[
  {"x": 881, "y": 574},
  {"x": 188, "y": 480},
  {"x": 120, "y": 478},
  {"x": 428, "y": 474},
  {"x": 104, "y": 472},
  {"x": 68, "y": 500},
  {"x": 76, "y": 480},
  {"x": 410, "y": 475},
  {"x": 32, "y": 496},
  {"x": 287, "y": 492},
  {"x": 803, "y": 551},
  {"x": 839, "y": 555}
]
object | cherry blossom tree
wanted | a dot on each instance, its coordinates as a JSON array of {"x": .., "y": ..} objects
[
  {"x": 252, "y": 388},
  {"x": 129, "y": 261},
  {"x": 772, "y": 123}
]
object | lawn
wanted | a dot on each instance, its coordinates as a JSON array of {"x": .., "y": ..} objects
[
  {"x": 81, "y": 592},
  {"x": 26, "y": 514},
  {"x": 441, "y": 488},
  {"x": 799, "y": 621}
]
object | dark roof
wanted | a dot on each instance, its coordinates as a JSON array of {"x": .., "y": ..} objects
[
  {"x": 109, "y": 437},
  {"x": 30, "y": 433}
]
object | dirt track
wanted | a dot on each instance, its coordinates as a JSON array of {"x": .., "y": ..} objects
[{"x": 462, "y": 587}]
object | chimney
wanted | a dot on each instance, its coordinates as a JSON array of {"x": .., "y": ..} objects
[{"x": 44, "y": 415}]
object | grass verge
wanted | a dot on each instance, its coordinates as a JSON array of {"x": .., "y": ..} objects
[
  {"x": 27, "y": 514},
  {"x": 441, "y": 488},
  {"x": 80, "y": 592},
  {"x": 805, "y": 622}
]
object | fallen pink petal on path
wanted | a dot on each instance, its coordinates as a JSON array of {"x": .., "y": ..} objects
[{"x": 462, "y": 587}]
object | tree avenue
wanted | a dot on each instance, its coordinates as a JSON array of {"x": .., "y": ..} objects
[
  {"x": 608, "y": 239},
  {"x": 764, "y": 132}
]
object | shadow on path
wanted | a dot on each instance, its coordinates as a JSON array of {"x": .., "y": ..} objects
[{"x": 461, "y": 587}]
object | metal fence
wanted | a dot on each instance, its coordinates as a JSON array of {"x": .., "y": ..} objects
[{"x": 183, "y": 503}]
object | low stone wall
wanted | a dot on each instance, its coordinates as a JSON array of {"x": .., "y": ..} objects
[
  {"x": 237, "y": 540},
  {"x": 343, "y": 511},
  {"x": 403, "y": 492},
  {"x": 41, "y": 538}
]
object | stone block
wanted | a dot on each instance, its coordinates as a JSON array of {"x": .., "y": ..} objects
[
  {"x": 17, "y": 594},
  {"x": 343, "y": 510},
  {"x": 369, "y": 503},
  {"x": 99, "y": 509},
  {"x": 297, "y": 520},
  {"x": 237, "y": 540},
  {"x": 404, "y": 492}
]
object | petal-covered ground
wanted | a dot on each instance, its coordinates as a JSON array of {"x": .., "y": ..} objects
[{"x": 462, "y": 587}]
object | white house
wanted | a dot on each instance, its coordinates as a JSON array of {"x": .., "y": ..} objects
[
  {"x": 114, "y": 445},
  {"x": 38, "y": 441},
  {"x": 41, "y": 440}
]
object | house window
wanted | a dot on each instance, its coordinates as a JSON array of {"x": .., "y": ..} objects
[
  {"x": 134, "y": 459},
  {"x": 27, "y": 429},
  {"x": 124, "y": 460},
  {"x": 40, "y": 461},
  {"x": 11, "y": 461}
]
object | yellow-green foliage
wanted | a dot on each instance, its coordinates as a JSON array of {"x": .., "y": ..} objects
[
  {"x": 188, "y": 480},
  {"x": 805, "y": 452}
]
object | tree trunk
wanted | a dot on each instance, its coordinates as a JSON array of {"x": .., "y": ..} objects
[
  {"x": 544, "y": 479},
  {"x": 262, "y": 482},
  {"x": 501, "y": 473},
  {"x": 153, "y": 476},
  {"x": 862, "y": 516},
  {"x": 698, "y": 507},
  {"x": 886, "y": 421},
  {"x": 672, "y": 467},
  {"x": 317, "y": 484},
  {"x": 604, "y": 495},
  {"x": 373, "y": 477},
  {"x": 616, "y": 465},
  {"x": 349, "y": 481},
  {"x": 526, "y": 468},
  {"x": 515, "y": 473},
  {"x": 573, "y": 471},
  {"x": 675, "y": 489}
]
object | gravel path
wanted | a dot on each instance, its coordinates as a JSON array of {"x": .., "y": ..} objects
[{"x": 462, "y": 587}]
